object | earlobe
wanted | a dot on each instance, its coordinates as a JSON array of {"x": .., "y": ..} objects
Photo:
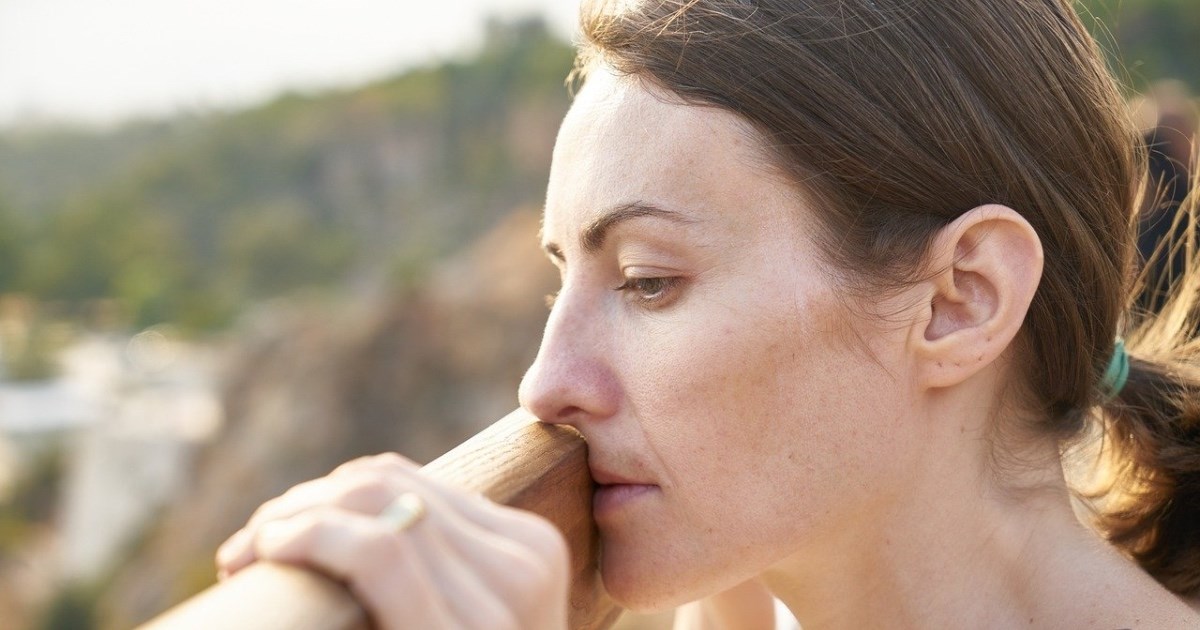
[{"x": 986, "y": 267}]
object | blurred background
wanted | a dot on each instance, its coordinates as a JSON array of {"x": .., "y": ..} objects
[{"x": 244, "y": 241}]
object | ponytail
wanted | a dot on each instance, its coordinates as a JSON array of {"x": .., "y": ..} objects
[
  {"x": 1149, "y": 497},
  {"x": 984, "y": 85},
  {"x": 1152, "y": 441}
]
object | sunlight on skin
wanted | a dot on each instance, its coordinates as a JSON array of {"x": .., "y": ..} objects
[{"x": 732, "y": 402}]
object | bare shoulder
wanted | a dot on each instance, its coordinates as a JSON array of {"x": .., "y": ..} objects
[
  {"x": 1172, "y": 615},
  {"x": 1138, "y": 602}
]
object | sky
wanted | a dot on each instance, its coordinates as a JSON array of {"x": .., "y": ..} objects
[{"x": 92, "y": 62}]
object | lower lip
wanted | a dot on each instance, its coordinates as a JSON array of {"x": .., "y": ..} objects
[{"x": 610, "y": 498}]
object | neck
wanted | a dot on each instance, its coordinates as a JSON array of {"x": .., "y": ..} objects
[{"x": 955, "y": 547}]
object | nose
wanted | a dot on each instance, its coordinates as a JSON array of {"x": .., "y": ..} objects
[{"x": 570, "y": 381}]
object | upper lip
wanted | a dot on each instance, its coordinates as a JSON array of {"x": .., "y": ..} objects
[{"x": 604, "y": 477}]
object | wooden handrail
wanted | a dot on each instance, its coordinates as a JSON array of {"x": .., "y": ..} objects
[{"x": 517, "y": 461}]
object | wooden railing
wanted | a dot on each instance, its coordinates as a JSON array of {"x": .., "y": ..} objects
[{"x": 517, "y": 461}]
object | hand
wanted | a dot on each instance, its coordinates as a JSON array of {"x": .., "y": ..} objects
[{"x": 467, "y": 563}]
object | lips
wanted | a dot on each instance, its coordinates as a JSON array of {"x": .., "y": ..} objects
[
  {"x": 615, "y": 493},
  {"x": 603, "y": 477}
]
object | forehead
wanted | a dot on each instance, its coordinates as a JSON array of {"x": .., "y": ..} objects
[{"x": 626, "y": 141}]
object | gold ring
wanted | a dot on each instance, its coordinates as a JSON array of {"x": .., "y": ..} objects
[{"x": 403, "y": 512}]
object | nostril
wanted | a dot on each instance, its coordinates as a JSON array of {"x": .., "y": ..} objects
[
  {"x": 552, "y": 414},
  {"x": 548, "y": 398},
  {"x": 566, "y": 414},
  {"x": 564, "y": 386}
]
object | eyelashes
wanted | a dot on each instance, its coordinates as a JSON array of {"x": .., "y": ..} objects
[
  {"x": 649, "y": 291},
  {"x": 654, "y": 292}
]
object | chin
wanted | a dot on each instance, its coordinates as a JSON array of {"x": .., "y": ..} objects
[
  {"x": 646, "y": 577},
  {"x": 638, "y": 597},
  {"x": 642, "y": 583}
]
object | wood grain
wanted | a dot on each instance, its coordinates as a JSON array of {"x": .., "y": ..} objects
[{"x": 517, "y": 461}]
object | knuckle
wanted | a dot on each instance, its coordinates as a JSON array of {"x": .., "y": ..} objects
[
  {"x": 264, "y": 511},
  {"x": 375, "y": 462},
  {"x": 365, "y": 492},
  {"x": 294, "y": 494},
  {"x": 357, "y": 463},
  {"x": 387, "y": 459},
  {"x": 274, "y": 537},
  {"x": 289, "y": 501},
  {"x": 306, "y": 523}
]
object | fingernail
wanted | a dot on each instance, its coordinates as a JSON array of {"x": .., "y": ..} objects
[{"x": 233, "y": 547}]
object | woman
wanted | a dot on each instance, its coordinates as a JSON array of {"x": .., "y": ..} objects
[{"x": 840, "y": 282}]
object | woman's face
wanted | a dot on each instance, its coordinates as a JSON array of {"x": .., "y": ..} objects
[{"x": 736, "y": 412}]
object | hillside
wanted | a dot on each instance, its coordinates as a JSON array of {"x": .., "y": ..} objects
[
  {"x": 191, "y": 220},
  {"x": 364, "y": 262},
  {"x": 310, "y": 387}
]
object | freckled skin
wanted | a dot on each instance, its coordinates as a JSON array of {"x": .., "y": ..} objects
[{"x": 743, "y": 398}]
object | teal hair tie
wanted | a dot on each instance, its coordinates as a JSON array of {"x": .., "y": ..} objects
[{"x": 1117, "y": 372}]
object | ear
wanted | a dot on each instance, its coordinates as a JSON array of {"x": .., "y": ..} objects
[{"x": 986, "y": 268}]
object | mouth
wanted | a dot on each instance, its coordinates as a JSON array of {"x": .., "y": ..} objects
[
  {"x": 603, "y": 477},
  {"x": 614, "y": 493}
]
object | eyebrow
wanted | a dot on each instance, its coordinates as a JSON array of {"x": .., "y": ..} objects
[{"x": 593, "y": 236}]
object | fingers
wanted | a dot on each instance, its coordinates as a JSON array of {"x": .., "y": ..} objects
[
  {"x": 520, "y": 574},
  {"x": 491, "y": 580},
  {"x": 356, "y": 485},
  {"x": 359, "y": 551},
  {"x": 369, "y": 484},
  {"x": 475, "y": 602},
  {"x": 531, "y": 530},
  {"x": 466, "y": 563}
]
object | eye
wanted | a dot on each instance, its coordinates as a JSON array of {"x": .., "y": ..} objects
[{"x": 650, "y": 291}]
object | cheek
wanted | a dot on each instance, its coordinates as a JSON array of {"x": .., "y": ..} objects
[
  {"x": 762, "y": 424},
  {"x": 745, "y": 393},
  {"x": 731, "y": 412}
]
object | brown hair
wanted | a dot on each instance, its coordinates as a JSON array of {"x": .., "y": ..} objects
[{"x": 898, "y": 116}]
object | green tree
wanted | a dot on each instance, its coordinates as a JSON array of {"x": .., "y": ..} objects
[
  {"x": 13, "y": 239},
  {"x": 1147, "y": 40},
  {"x": 190, "y": 220},
  {"x": 274, "y": 250}
]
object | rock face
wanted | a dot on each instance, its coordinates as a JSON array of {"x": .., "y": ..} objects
[{"x": 311, "y": 387}]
